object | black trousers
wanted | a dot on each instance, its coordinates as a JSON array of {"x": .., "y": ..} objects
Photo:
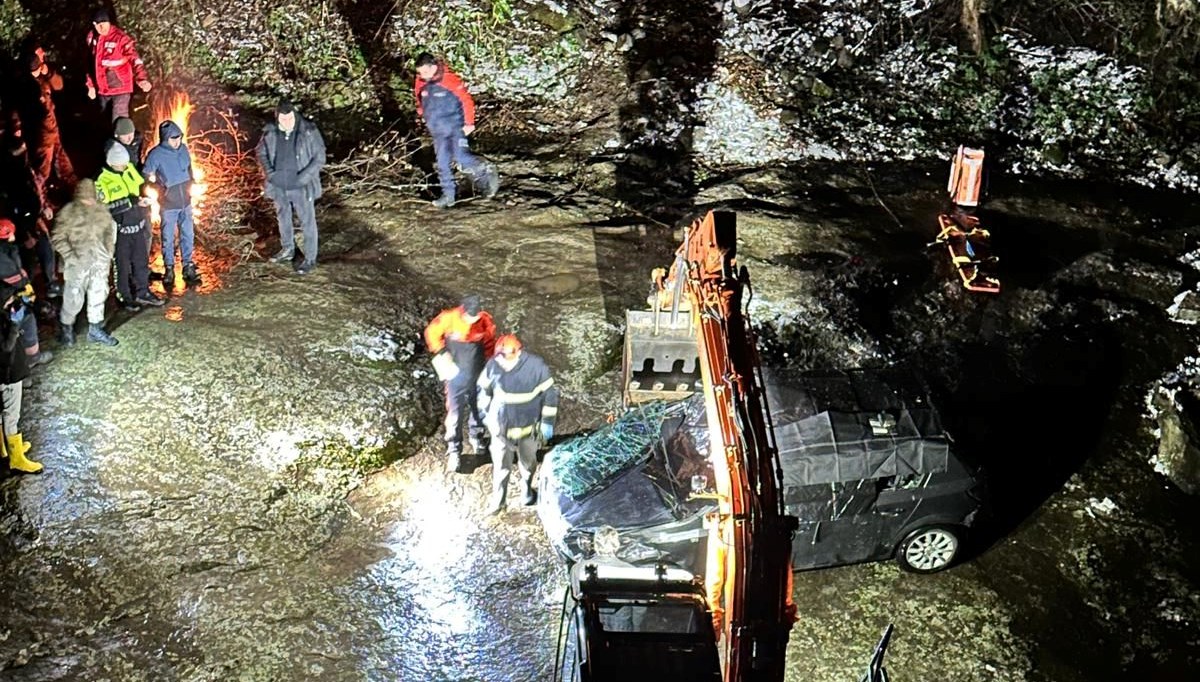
[{"x": 133, "y": 271}]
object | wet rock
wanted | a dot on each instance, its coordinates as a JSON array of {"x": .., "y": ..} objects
[
  {"x": 1176, "y": 411},
  {"x": 600, "y": 178}
]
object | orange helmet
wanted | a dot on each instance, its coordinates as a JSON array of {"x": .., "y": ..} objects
[
  {"x": 8, "y": 229},
  {"x": 507, "y": 344}
]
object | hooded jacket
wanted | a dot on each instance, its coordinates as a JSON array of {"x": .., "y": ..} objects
[
  {"x": 170, "y": 169},
  {"x": 115, "y": 63},
  {"x": 444, "y": 102},
  {"x": 84, "y": 232}
]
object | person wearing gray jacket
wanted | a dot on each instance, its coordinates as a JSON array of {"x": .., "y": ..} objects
[{"x": 292, "y": 153}]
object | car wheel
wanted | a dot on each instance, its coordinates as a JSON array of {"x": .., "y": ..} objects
[{"x": 929, "y": 549}]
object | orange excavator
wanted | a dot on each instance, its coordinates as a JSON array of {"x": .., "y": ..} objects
[{"x": 733, "y": 624}]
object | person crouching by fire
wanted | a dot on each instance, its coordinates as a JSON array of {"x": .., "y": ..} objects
[
  {"x": 119, "y": 187},
  {"x": 85, "y": 236}
]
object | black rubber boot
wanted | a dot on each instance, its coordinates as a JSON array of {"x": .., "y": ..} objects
[
  {"x": 190, "y": 275},
  {"x": 66, "y": 334},
  {"x": 96, "y": 333}
]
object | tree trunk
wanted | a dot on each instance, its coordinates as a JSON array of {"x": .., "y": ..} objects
[{"x": 971, "y": 9}]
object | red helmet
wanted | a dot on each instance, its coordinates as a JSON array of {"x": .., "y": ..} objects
[
  {"x": 508, "y": 344},
  {"x": 8, "y": 229}
]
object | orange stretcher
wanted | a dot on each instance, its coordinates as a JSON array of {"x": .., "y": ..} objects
[
  {"x": 959, "y": 229},
  {"x": 970, "y": 251}
]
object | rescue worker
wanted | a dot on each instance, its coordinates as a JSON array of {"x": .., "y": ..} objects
[
  {"x": 116, "y": 66},
  {"x": 13, "y": 371},
  {"x": 13, "y": 274},
  {"x": 462, "y": 340},
  {"x": 292, "y": 154},
  {"x": 119, "y": 187},
  {"x": 520, "y": 402},
  {"x": 169, "y": 165},
  {"x": 39, "y": 121},
  {"x": 85, "y": 236},
  {"x": 449, "y": 113}
]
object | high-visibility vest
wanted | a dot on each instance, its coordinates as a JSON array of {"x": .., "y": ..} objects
[
  {"x": 119, "y": 191},
  {"x": 966, "y": 177}
]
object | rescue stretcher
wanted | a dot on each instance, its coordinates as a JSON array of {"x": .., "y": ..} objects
[{"x": 959, "y": 229}]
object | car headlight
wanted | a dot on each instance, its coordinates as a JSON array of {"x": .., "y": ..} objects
[{"x": 606, "y": 541}]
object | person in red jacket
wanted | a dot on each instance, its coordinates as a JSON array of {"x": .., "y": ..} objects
[
  {"x": 116, "y": 66},
  {"x": 462, "y": 340},
  {"x": 449, "y": 112}
]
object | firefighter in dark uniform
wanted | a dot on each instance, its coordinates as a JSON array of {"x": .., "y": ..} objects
[
  {"x": 461, "y": 340},
  {"x": 520, "y": 403}
]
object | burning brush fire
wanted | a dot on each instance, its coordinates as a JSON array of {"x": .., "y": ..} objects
[{"x": 178, "y": 109}]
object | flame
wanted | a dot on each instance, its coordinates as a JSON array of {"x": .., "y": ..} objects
[{"x": 179, "y": 109}]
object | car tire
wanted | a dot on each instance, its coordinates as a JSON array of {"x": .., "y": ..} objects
[{"x": 930, "y": 549}]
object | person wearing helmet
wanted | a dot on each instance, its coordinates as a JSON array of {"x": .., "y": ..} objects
[
  {"x": 461, "y": 340},
  {"x": 520, "y": 403}
]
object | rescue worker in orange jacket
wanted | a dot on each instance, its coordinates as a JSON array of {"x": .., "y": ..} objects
[
  {"x": 520, "y": 404},
  {"x": 462, "y": 340},
  {"x": 116, "y": 66}
]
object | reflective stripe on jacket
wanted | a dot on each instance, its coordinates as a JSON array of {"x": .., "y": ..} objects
[
  {"x": 516, "y": 401},
  {"x": 116, "y": 64},
  {"x": 120, "y": 192}
]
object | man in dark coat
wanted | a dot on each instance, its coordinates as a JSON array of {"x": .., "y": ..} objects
[{"x": 292, "y": 153}]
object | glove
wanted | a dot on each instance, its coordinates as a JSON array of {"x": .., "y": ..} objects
[
  {"x": 27, "y": 294},
  {"x": 547, "y": 431},
  {"x": 444, "y": 365}
]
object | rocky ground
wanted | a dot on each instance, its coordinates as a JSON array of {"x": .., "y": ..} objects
[
  {"x": 205, "y": 515},
  {"x": 250, "y": 486}
]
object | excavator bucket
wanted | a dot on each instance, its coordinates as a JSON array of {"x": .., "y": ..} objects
[{"x": 660, "y": 360}]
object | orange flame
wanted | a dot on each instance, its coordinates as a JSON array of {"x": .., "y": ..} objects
[{"x": 179, "y": 110}]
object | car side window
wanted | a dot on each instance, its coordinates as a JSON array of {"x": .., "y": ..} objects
[{"x": 905, "y": 482}]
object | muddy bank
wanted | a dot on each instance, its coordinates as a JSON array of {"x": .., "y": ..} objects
[{"x": 205, "y": 516}]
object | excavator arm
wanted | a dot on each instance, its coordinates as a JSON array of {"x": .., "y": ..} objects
[{"x": 748, "y": 579}]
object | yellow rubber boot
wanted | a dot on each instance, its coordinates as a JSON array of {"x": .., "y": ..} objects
[{"x": 17, "y": 447}]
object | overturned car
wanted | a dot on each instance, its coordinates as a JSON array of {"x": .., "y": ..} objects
[{"x": 867, "y": 468}]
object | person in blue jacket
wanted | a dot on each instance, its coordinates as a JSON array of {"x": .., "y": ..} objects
[{"x": 169, "y": 165}]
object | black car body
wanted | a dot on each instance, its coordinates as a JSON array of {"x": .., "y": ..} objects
[{"x": 867, "y": 470}]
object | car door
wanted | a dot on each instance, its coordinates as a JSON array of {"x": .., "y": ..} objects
[
  {"x": 837, "y": 524},
  {"x": 895, "y": 507}
]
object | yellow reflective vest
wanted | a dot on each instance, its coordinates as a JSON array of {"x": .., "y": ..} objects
[{"x": 121, "y": 192}]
